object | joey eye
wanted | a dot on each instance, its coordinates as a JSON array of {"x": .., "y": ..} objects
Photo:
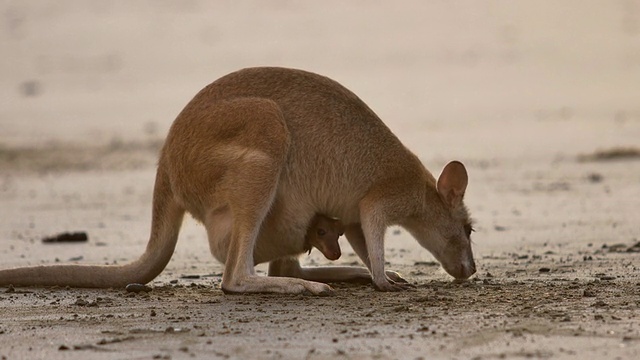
[{"x": 321, "y": 232}]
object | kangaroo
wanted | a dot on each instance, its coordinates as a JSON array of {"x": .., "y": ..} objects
[
  {"x": 254, "y": 156},
  {"x": 323, "y": 234}
]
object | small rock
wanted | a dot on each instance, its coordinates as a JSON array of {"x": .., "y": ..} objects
[
  {"x": 136, "y": 288},
  {"x": 172, "y": 330},
  {"x": 63, "y": 347},
  {"x": 600, "y": 303},
  {"x": 401, "y": 308},
  {"x": 588, "y": 293},
  {"x": 81, "y": 302},
  {"x": 634, "y": 248},
  {"x": 616, "y": 248},
  {"x": 595, "y": 177},
  {"x": 30, "y": 88},
  {"x": 10, "y": 289},
  {"x": 544, "y": 270},
  {"x": 67, "y": 237}
]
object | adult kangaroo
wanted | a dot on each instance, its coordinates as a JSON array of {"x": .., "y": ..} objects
[{"x": 255, "y": 156}]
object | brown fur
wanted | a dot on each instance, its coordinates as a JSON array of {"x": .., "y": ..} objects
[
  {"x": 323, "y": 234},
  {"x": 254, "y": 156}
]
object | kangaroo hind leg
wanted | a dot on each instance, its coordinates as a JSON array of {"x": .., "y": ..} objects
[{"x": 249, "y": 187}]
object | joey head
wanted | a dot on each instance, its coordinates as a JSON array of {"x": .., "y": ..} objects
[{"x": 323, "y": 234}]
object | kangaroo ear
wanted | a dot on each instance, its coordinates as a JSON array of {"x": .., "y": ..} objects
[{"x": 452, "y": 183}]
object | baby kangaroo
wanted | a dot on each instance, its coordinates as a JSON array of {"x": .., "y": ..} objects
[
  {"x": 323, "y": 234},
  {"x": 254, "y": 156}
]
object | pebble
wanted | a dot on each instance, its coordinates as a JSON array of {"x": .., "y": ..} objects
[
  {"x": 81, "y": 302},
  {"x": 600, "y": 303},
  {"x": 67, "y": 237}
]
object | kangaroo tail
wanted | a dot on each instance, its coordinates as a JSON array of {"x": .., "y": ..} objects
[{"x": 167, "y": 217}]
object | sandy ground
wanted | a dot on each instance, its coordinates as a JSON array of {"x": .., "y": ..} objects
[{"x": 536, "y": 98}]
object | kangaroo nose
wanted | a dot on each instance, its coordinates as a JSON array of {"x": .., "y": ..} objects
[
  {"x": 470, "y": 269},
  {"x": 466, "y": 270}
]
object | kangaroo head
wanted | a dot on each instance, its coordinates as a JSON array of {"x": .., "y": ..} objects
[{"x": 444, "y": 228}]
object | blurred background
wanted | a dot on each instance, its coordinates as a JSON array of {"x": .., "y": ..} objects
[{"x": 452, "y": 78}]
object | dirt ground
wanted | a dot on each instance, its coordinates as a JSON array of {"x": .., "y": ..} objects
[{"x": 547, "y": 126}]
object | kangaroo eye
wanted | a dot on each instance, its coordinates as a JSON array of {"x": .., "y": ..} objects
[
  {"x": 468, "y": 229},
  {"x": 321, "y": 232}
]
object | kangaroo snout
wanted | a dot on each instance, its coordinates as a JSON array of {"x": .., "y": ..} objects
[
  {"x": 458, "y": 263},
  {"x": 332, "y": 255},
  {"x": 468, "y": 270},
  {"x": 463, "y": 271}
]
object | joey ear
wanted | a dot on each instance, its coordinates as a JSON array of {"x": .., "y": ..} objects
[{"x": 452, "y": 183}]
